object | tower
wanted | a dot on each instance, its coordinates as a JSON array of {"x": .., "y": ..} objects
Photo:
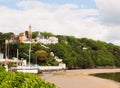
[{"x": 30, "y": 33}]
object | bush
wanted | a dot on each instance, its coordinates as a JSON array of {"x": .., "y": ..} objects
[{"x": 22, "y": 80}]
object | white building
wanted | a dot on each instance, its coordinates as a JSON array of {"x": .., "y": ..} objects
[
  {"x": 49, "y": 40},
  {"x": 58, "y": 59},
  {"x": 53, "y": 40}
]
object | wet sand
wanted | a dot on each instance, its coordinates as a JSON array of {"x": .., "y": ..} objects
[{"x": 82, "y": 79}]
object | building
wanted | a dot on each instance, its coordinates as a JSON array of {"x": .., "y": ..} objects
[
  {"x": 22, "y": 37},
  {"x": 39, "y": 38},
  {"x": 49, "y": 40}
]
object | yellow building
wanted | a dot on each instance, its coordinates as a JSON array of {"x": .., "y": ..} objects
[{"x": 23, "y": 38}]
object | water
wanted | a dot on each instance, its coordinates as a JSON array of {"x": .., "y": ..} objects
[{"x": 111, "y": 76}]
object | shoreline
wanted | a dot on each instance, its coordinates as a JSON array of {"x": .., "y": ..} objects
[{"x": 81, "y": 79}]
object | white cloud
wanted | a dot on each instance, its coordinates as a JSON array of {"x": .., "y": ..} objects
[
  {"x": 67, "y": 19},
  {"x": 109, "y": 11}
]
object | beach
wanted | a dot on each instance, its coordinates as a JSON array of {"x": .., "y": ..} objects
[{"x": 81, "y": 79}]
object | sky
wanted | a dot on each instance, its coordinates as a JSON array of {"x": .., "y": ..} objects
[{"x": 93, "y": 19}]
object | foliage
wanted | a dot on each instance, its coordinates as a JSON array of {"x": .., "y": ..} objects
[
  {"x": 40, "y": 56},
  {"x": 22, "y": 80},
  {"x": 96, "y": 54},
  {"x": 34, "y": 34},
  {"x": 46, "y": 34}
]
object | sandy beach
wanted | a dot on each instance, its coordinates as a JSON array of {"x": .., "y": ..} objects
[{"x": 81, "y": 79}]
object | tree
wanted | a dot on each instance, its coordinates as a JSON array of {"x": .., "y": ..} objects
[
  {"x": 8, "y": 35},
  {"x": 41, "y": 56},
  {"x": 46, "y": 34},
  {"x": 104, "y": 58},
  {"x": 58, "y": 50},
  {"x": 23, "y": 50},
  {"x": 34, "y": 34}
]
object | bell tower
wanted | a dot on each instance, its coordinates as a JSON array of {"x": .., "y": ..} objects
[{"x": 30, "y": 33}]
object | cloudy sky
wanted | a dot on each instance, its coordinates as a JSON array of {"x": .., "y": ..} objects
[{"x": 94, "y": 19}]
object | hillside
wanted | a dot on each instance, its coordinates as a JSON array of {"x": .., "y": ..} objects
[
  {"x": 75, "y": 52},
  {"x": 86, "y": 53}
]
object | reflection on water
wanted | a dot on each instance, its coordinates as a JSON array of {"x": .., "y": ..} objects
[{"x": 112, "y": 76}]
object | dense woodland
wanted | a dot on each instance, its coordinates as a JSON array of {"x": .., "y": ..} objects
[{"x": 75, "y": 52}]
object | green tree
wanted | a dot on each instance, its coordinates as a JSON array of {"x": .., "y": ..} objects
[
  {"x": 58, "y": 49},
  {"x": 41, "y": 57},
  {"x": 104, "y": 59},
  {"x": 34, "y": 34},
  {"x": 46, "y": 34}
]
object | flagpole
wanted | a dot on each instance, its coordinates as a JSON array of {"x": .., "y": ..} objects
[
  {"x": 30, "y": 39},
  {"x": 6, "y": 41},
  {"x": 17, "y": 56},
  {"x": 29, "y": 53}
]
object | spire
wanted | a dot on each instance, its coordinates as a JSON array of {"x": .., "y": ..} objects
[
  {"x": 29, "y": 26},
  {"x": 30, "y": 30}
]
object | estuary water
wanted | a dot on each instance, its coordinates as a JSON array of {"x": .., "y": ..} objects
[{"x": 111, "y": 76}]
